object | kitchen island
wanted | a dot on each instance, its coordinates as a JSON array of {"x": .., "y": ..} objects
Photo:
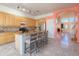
[{"x": 33, "y": 40}]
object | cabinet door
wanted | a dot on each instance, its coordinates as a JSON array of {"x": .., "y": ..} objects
[
  {"x": 7, "y": 20},
  {"x": 17, "y": 21},
  {"x": 30, "y": 22},
  {"x": 2, "y": 17},
  {"x": 12, "y": 20}
]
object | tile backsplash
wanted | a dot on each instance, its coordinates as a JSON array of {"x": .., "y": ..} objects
[
  {"x": 13, "y": 29},
  {"x": 9, "y": 29}
]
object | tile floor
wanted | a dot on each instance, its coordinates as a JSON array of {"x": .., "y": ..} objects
[{"x": 55, "y": 47}]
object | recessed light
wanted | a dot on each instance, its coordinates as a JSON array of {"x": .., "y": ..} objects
[
  {"x": 23, "y": 9},
  {"x": 19, "y": 7}
]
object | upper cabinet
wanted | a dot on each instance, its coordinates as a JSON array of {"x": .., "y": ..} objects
[
  {"x": 18, "y": 20},
  {"x": 2, "y": 18},
  {"x": 30, "y": 22},
  {"x": 11, "y": 20},
  {"x": 7, "y": 20}
]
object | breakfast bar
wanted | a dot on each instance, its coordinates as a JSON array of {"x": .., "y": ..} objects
[{"x": 30, "y": 42}]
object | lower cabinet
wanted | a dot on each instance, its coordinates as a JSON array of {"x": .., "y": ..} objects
[{"x": 6, "y": 37}]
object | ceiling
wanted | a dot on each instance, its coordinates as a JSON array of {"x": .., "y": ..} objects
[{"x": 36, "y": 9}]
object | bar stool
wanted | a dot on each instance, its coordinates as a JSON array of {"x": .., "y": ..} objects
[
  {"x": 36, "y": 42},
  {"x": 46, "y": 38},
  {"x": 31, "y": 46},
  {"x": 39, "y": 43},
  {"x": 43, "y": 39}
]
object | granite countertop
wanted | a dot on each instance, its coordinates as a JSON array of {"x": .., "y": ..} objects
[{"x": 28, "y": 33}]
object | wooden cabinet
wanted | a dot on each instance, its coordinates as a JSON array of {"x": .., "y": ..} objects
[
  {"x": 11, "y": 20},
  {"x": 7, "y": 37},
  {"x": 30, "y": 22},
  {"x": 7, "y": 20},
  {"x": 17, "y": 21},
  {"x": 2, "y": 18}
]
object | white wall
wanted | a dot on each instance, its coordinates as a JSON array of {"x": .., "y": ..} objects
[
  {"x": 42, "y": 16},
  {"x": 14, "y": 11},
  {"x": 51, "y": 28}
]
